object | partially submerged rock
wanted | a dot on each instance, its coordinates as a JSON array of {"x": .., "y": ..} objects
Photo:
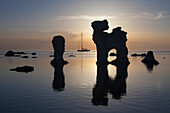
[
  {"x": 135, "y": 54},
  {"x": 150, "y": 59},
  {"x": 10, "y": 53},
  {"x": 34, "y": 53},
  {"x": 112, "y": 54},
  {"x": 15, "y": 54},
  {"x": 25, "y": 69},
  {"x": 20, "y": 53}
]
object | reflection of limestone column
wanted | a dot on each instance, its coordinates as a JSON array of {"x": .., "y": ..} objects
[
  {"x": 58, "y": 81},
  {"x": 59, "y": 48},
  {"x": 100, "y": 90}
]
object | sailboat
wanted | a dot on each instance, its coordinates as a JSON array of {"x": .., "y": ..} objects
[{"x": 82, "y": 49}]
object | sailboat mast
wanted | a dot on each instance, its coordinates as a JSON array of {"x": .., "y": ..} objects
[{"x": 81, "y": 40}]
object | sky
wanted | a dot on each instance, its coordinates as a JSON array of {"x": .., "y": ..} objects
[{"x": 31, "y": 24}]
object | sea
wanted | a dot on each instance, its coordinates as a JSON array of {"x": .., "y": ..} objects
[{"x": 83, "y": 87}]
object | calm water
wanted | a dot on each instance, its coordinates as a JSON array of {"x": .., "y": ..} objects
[{"x": 82, "y": 87}]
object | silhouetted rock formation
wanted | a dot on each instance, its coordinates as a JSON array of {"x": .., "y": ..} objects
[
  {"x": 59, "y": 48},
  {"x": 150, "y": 59},
  {"x": 15, "y": 54},
  {"x": 112, "y": 54},
  {"x": 34, "y": 53},
  {"x": 59, "y": 80},
  {"x": 10, "y": 53},
  {"x": 72, "y": 56},
  {"x": 20, "y": 53},
  {"x": 105, "y": 42},
  {"x": 105, "y": 85},
  {"x": 25, "y": 69},
  {"x": 135, "y": 55}
]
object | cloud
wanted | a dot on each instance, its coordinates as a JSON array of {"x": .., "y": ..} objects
[
  {"x": 155, "y": 16},
  {"x": 83, "y": 17}
]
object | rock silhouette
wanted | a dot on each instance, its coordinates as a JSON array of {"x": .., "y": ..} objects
[
  {"x": 33, "y": 53},
  {"x": 58, "y": 43},
  {"x": 10, "y": 53},
  {"x": 112, "y": 54},
  {"x": 150, "y": 61},
  {"x": 135, "y": 55},
  {"x": 20, "y": 52},
  {"x": 25, "y": 69},
  {"x": 106, "y": 41},
  {"x": 105, "y": 85}
]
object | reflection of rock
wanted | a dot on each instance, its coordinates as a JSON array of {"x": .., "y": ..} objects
[
  {"x": 58, "y": 82},
  {"x": 149, "y": 67},
  {"x": 10, "y": 53},
  {"x": 25, "y": 69},
  {"x": 105, "y": 42},
  {"x": 104, "y": 84},
  {"x": 150, "y": 61},
  {"x": 59, "y": 48},
  {"x": 24, "y": 57}
]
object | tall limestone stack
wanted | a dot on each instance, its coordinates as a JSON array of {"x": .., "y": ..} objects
[{"x": 58, "y": 43}]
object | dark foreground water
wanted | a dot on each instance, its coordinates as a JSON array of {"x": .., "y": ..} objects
[{"x": 82, "y": 87}]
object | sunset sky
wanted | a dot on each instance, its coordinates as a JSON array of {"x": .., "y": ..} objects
[{"x": 31, "y": 24}]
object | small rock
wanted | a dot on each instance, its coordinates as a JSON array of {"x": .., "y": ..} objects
[
  {"x": 51, "y": 56},
  {"x": 143, "y": 54},
  {"x": 10, "y": 53},
  {"x": 34, "y": 53},
  {"x": 20, "y": 53},
  {"x": 25, "y": 69},
  {"x": 135, "y": 55},
  {"x": 71, "y": 56},
  {"x": 113, "y": 54}
]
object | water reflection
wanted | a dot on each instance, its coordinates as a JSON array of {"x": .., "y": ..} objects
[
  {"x": 59, "y": 80},
  {"x": 150, "y": 67},
  {"x": 104, "y": 84}
]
